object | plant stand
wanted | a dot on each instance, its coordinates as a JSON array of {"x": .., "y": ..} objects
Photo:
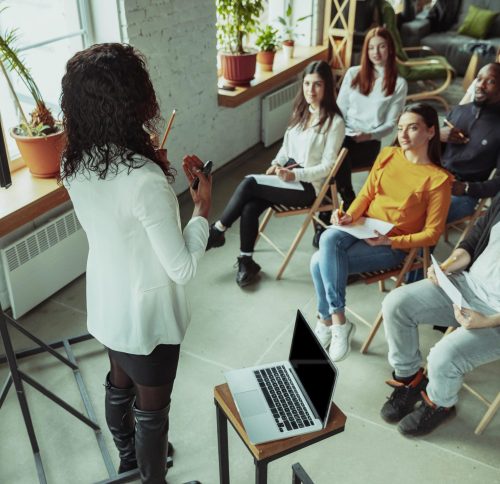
[{"x": 18, "y": 377}]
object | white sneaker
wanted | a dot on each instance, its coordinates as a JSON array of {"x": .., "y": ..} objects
[
  {"x": 323, "y": 333},
  {"x": 340, "y": 345}
]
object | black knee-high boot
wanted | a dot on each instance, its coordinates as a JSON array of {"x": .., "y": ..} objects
[
  {"x": 151, "y": 431},
  {"x": 120, "y": 420}
]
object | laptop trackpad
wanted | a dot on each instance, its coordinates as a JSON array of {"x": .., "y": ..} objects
[{"x": 251, "y": 403}]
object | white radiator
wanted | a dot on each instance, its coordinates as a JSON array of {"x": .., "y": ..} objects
[
  {"x": 44, "y": 261},
  {"x": 276, "y": 112}
]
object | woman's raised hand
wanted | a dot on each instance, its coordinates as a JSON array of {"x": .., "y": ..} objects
[{"x": 202, "y": 196}]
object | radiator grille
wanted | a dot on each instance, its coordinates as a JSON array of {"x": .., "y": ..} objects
[
  {"x": 39, "y": 241},
  {"x": 276, "y": 112},
  {"x": 283, "y": 96},
  {"x": 42, "y": 262}
]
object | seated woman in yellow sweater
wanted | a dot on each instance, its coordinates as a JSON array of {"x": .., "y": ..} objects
[{"x": 406, "y": 187}]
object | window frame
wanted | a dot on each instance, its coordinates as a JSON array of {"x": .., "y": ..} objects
[{"x": 86, "y": 32}]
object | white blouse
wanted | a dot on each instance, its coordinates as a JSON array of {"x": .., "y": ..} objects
[
  {"x": 376, "y": 113},
  {"x": 314, "y": 149},
  {"x": 139, "y": 259}
]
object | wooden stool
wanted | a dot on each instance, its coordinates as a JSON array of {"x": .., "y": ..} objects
[{"x": 262, "y": 453}]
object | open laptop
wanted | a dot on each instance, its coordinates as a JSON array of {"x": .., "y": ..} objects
[{"x": 287, "y": 398}]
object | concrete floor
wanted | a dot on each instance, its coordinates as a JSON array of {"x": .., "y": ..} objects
[{"x": 233, "y": 328}]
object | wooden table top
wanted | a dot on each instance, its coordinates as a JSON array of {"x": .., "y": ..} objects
[
  {"x": 27, "y": 199},
  {"x": 336, "y": 423}
]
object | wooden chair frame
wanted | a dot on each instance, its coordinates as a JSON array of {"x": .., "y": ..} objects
[
  {"x": 433, "y": 94},
  {"x": 413, "y": 261},
  {"x": 325, "y": 201},
  {"x": 492, "y": 406}
]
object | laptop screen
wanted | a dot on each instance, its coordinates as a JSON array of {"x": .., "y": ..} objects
[{"x": 312, "y": 365}]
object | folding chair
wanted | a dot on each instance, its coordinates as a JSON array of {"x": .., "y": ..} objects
[
  {"x": 413, "y": 261},
  {"x": 326, "y": 200},
  {"x": 466, "y": 223},
  {"x": 492, "y": 406}
]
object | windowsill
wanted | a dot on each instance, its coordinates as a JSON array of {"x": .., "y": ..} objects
[
  {"x": 282, "y": 71},
  {"x": 27, "y": 199}
]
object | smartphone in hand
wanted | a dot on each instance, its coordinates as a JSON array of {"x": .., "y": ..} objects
[{"x": 206, "y": 170}]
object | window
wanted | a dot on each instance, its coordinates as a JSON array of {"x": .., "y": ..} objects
[{"x": 49, "y": 32}]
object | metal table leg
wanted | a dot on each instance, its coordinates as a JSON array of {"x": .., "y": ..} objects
[
  {"x": 222, "y": 445},
  {"x": 260, "y": 471}
]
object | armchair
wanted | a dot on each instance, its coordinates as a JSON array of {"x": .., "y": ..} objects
[{"x": 426, "y": 68}]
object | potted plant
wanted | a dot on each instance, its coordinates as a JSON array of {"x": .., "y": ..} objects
[
  {"x": 235, "y": 20},
  {"x": 267, "y": 41},
  {"x": 289, "y": 27},
  {"x": 40, "y": 140}
]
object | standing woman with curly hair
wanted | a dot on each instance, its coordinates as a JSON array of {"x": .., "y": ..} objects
[
  {"x": 371, "y": 99},
  {"x": 139, "y": 259}
]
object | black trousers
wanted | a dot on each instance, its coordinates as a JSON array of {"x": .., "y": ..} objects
[
  {"x": 360, "y": 155},
  {"x": 250, "y": 199}
]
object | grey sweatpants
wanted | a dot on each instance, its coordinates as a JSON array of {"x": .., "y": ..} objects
[{"x": 458, "y": 353}]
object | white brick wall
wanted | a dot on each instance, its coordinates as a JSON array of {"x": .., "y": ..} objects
[{"x": 178, "y": 39}]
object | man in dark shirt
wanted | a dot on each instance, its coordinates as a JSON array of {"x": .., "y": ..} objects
[{"x": 472, "y": 147}]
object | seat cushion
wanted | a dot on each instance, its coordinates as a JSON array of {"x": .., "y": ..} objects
[{"x": 428, "y": 71}]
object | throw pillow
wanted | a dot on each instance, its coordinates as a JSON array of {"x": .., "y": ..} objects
[{"x": 477, "y": 23}]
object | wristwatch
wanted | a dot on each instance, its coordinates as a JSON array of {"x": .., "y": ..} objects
[{"x": 466, "y": 189}]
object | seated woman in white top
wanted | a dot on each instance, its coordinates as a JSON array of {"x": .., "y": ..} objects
[
  {"x": 312, "y": 142},
  {"x": 371, "y": 99},
  {"x": 139, "y": 259}
]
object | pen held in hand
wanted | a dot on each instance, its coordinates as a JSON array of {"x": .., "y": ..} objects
[
  {"x": 340, "y": 210},
  {"x": 447, "y": 263},
  {"x": 450, "y": 125},
  {"x": 169, "y": 127}
]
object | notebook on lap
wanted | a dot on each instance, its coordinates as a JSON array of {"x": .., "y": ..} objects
[{"x": 287, "y": 398}]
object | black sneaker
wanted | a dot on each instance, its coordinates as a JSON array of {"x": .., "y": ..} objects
[
  {"x": 403, "y": 398},
  {"x": 247, "y": 270},
  {"x": 425, "y": 418},
  {"x": 216, "y": 238},
  {"x": 318, "y": 231}
]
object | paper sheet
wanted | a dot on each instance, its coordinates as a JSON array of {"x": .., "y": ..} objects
[
  {"x": 447, "y": 286},
  {"x": 364, "y": 227},
  {"x": 275, "y": 181}
]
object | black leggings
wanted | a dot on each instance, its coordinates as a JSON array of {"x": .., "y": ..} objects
[
  {"x": 250, "y": 199},
  {"x": 151, "y": 375},
  {"x": 359, "y": 155}
]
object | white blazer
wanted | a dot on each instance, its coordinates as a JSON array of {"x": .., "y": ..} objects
[{"x": 139, "y": 259}]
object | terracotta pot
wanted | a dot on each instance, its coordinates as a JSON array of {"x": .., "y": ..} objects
[
  {"x": 265, "y": 60},
  {"x": 238, "y": 70},
  {"x": 42, "y": 154},
  {"x": 288, "y": 47}
]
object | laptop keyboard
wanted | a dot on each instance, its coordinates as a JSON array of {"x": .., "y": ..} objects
[{"x": 288, "y": 410}]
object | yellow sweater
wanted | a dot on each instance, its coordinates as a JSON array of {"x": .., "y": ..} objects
[{"x": 414, "y": 197}]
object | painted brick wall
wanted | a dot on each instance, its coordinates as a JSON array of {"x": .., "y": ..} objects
[{"x": 178, "y": 38}]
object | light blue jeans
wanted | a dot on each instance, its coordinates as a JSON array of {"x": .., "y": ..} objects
[
  {"x": 339, "y": 255},
  {"x": 407, "y": 307},
  {"x": 461, "y": 206}
]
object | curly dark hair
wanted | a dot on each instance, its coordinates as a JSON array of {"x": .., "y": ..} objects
[{"x": 108, "y": 102}]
